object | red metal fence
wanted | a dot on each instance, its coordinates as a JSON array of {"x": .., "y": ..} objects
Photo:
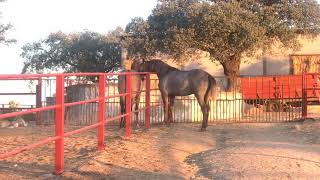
[
  {"x": 262, "y": 99},
  {"x": 60, "y": 106},
  {"x": 311, "y": 93},
  {"x": 273, "y": 98},
  {"x": 289, "y": 94}
]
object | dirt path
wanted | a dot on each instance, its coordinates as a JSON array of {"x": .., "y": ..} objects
[{"x": 249, "y": 151}]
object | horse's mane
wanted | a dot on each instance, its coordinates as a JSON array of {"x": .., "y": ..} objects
[{"x": 159, "y": 67}]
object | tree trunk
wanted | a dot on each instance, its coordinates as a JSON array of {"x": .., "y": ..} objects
[{"x": 231, "y": 69}]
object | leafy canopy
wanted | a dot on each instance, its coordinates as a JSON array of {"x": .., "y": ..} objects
[
  {"x": 136, "y": 42},
  {"x": 228, "y": 29},
  {"x": 75, "y": 52}
]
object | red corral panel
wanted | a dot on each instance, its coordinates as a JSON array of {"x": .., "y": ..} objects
[
  {"x": 312, "y": 84},
  {"x": 275, "y": 87},
  {"x": 60, "y": 105}
]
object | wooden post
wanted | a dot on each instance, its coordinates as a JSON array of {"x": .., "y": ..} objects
[
  {"x": 304, "y": 95},
  {"x": 38, "y": 101}
]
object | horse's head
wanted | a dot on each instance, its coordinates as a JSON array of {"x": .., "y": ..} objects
[
  {"x": 138, "y": 65},
  {"x": 127, "y": 63}
]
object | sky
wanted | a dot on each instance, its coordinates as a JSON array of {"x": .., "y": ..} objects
[{"x": 35, "y": 19}]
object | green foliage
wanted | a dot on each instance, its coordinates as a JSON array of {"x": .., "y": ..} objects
[
  {"x": 137, "y": 42},
  {"x": 29, "y": 117},
  {"x": 75, "y": 52},
  {"x": 170, "y": 28},
  {"x": 227, "y": 29}
]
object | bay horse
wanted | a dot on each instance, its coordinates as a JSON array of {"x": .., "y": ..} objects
[
  {"x": 135, "y": 95},
  {"x": 174, "y": 82}
]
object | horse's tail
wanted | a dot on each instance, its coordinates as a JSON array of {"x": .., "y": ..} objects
[{"x": 211, "y": 92}]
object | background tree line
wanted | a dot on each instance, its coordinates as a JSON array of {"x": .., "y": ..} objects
[{"x": 227, "y": 29}]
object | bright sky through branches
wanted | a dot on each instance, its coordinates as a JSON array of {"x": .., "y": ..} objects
[{"x": 36, "y": 19}]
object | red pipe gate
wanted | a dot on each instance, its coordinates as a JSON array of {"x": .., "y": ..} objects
[
  {"x": 60, "y": 106},
  {"x": 282, "y": 92}
]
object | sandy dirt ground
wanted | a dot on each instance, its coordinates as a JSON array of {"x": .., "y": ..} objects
[{"x": 229, "y": 151}]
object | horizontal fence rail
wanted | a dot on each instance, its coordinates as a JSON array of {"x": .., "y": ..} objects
[
  {"x": 253, "y": 99},
  {"x": 59, "y": 106},
  {"x": 92, "y": 100}
]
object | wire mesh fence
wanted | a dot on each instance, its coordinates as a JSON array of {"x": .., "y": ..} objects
[{"x": 253, "y": 99}]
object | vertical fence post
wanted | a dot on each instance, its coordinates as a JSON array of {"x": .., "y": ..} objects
[
  {"x": 59, "y": 144},
  {"x": 38, "y": 100},
  {"x": 102, "y": 110},
  {"x": 147, "y": 106},
  {"x": 128, "y": 104},
  {"x": 304, "y": 96}
]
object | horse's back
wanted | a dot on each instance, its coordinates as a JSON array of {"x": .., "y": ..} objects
[
  {"x": 192, "y": 76},
  {"x": 182, "y": 83}
]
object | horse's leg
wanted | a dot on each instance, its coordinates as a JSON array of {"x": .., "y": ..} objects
[
  {"x": 122, "y": 109},
  {"x": 171, "y": 99},
  {"x": 164, "y": 97},
  {"x": 136, "y": 108},
  {"x": 205, "y": 111}
]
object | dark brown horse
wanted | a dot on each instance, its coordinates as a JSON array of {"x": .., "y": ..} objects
[
  {"x": 135, "y": 95},
  {"x": 174, "y": 82}
]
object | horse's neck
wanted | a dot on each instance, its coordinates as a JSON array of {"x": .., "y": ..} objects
[
  {"x": 163, "y": 73},
  {"x": 129, "y": 70},
  {"x": 164, "y": 70}
]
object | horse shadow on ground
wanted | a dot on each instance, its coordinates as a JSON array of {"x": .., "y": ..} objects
[
  {"x": 24, "y": 170},
  {"x": 229, "y": 140},
  {"x": 111, "y": 171}
]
